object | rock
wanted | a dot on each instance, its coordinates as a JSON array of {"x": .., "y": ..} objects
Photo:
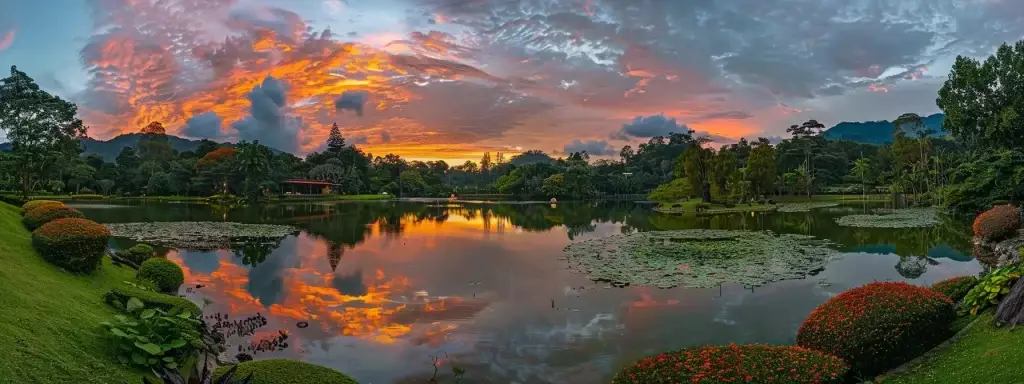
[{"x": 1011, "y": 308}]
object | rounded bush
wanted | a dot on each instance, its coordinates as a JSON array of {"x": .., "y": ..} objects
[
  {"x": 753, "y": 363},
  {"x": 44, "y": 214},
  {"x": 999, "y": 222},
  {"x": 878, "y": 326},
  {"x": 86, "y": 191},
  {"x": 955, "y": 288},
  {"x": 285, "y": 371},
  {"x": 164, "y": 273},
  {"x": 36, "y": 204},
  {"x": 138, "y": 253},
  {"x": 75, "y": 244}
]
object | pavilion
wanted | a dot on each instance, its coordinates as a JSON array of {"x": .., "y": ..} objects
[{"x": 308, "y": 187}]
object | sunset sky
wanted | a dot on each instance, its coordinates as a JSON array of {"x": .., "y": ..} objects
[{"x": 451, "y": 79}]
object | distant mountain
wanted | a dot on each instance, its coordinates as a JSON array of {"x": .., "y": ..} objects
[
  {"x": 109, "y": 149},
  {"x": 878, "y": 132}
]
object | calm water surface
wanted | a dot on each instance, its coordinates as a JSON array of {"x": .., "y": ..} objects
[{"x": 385, "y": 286}]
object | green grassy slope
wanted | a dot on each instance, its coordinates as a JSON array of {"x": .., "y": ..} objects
[{"x": 50, "y": 328}]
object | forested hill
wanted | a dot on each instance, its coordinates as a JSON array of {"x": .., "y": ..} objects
[
  {"x": 877, "y": 132},
  {"x": 110, "y": 148}
]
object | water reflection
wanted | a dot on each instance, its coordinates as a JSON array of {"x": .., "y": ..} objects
[{"x": 377, "y": 290}]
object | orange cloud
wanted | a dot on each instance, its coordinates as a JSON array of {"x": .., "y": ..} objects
[{"x": 7, "y": 40}]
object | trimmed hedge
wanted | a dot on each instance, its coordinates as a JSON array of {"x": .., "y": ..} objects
[
  {"x": 77, "y": 245},
  {"x": 878, "y": 326},
  {"x": 955, "y": 288},
  {"x": 36, "y": 217},
  {"x": 36, "y": 204},
  {"x": 164, "y": 273},
  {"x": 138, "y": 253},
  {"x": 152, "y": 299},
  {"x": 286, "y": 371},
  {"x": 999, "y": 222},
  {"x": 753, "y": 363}
]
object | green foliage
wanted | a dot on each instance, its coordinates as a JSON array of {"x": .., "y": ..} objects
[
  {"x": 77, "y": 245},
  {"x": 985, "y": 178},
  {"x": 38, "y": 216},
  {"x": 167, "y": 275},
  {"x": 286, "y": 371},
  {"x": 554, "y": 185},
  {"x": 878, "y": 326},
  {"x": 675, "y": 190},
  {"x": 138, "y": 253},
  {"x": 991, "y": 288},
  {"x": 752, "y": 363},
  {"x": 146, "y": 291},
  {"x": 955, "y": 288},
  {"x": 983, "y": 102},
  {"x": 152, "y": 337}
]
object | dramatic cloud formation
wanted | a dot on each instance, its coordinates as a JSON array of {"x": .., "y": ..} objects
[
  {"x": 454, "y": 78},
  {"x": 203, "y": 126},
  {"x": 591, "y": 147}
]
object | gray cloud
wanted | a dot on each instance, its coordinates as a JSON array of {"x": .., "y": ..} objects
[
  {"x": 650, "y": 126},
  {"x": 351, "y": 100},
  {"x": 385, "y": 137},
  {"x": 203, "y": 126},
  {"x": 267, "y": 121},
  {"x": 592, "y": 147},
  {"x": 357, "y": 140}
]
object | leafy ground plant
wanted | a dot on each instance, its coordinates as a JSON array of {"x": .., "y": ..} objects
[
  {"x": 152, "y": 337},
  {"x": 201, "y": 235},
  {"x": 991, "y": 288},
  {"x": 698, "y": 258},
  {"x": 900, "y": 218}
]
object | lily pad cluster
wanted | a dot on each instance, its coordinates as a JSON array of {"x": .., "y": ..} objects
[
  {"x": 200, "y": 235},
  {"x": 806, "y": 207},
  {"x": 888, "y": 218},
  {"x": 698, "y": 258}
]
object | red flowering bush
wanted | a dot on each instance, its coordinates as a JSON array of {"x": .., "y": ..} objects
[
  {"x": 36, "y": 204},
  {"x": 878, "y": 326},
  {"x": 752, "y": 363},
  {"x": 996, "y": 223},
  {"x": 77, "y": 245},
  {"x": 955, "y": 288},
  {"x": 46, "y": 213}
]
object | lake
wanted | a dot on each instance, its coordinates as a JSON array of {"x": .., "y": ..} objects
[{"x": 378, "y": 289}]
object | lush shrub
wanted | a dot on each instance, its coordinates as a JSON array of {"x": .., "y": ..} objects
[
  {"x": 164, "y": 273},
  {"x": 991, "y": 288},
  {"x": 137, "y": 254},
  {"x": 36, "y": 204},
  {"x": 286, "y": 371},
  {"x": 141, "y": 290},
  {"x": 84, "y": 196},
  {"x": 878, "y": 326},
  {"x": 997, "y": 223},
  {"x": 77, "y": 245},
  {"x": 152, "y": 337},
  {"x": 38, "y": 216},
  {"x": 754, "y": 363},
  {"x": 955, "y": 288},
  {"x": 86, "y": 191}
]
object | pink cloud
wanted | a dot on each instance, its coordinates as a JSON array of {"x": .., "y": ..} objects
[{"x": 7, "y": 40}]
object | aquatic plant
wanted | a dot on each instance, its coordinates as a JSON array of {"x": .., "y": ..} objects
[
  {"x": 698, "y": 258},
  {"x": 806, "y": 207},
  {"x": 997, "y": 223},
  {"x": 77, "y": 245},
  {"x": 202, "y": 235},
  {"x": 167, "y": 275},
  {"x": 955, "y": 288},
  {"x": 38, "y": 203},
  {"x": 38, "y": 216},
  {"x": 899, "y": 218},
  {"x": 282, "y": 371},
  {"x": 878, "y": 326},
  {"x": 754, "y": 363}
]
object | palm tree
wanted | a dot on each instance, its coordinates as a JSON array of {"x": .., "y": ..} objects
[{"x": 861, "y": 167}]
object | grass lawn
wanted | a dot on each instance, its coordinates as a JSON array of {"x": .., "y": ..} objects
[
  {"x": 850, "y": 197},
  {"x": 985, "y": 354},
  {"x": 50, "y": 328}
]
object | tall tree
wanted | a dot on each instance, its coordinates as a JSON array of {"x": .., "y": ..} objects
[
  {"x": 254, "y": 160},
  {"x": 42, "y": 127},
  {"x": 807, "y": 138},
  {"x": 154, "y": 145},
  {"x": 761, "y": 168},
  {"x": 984, "y": 103},
  {"x": 335, "y": 142},
  {"x": 697, "y": 165},
  {"x": 485, "y": 162}
]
